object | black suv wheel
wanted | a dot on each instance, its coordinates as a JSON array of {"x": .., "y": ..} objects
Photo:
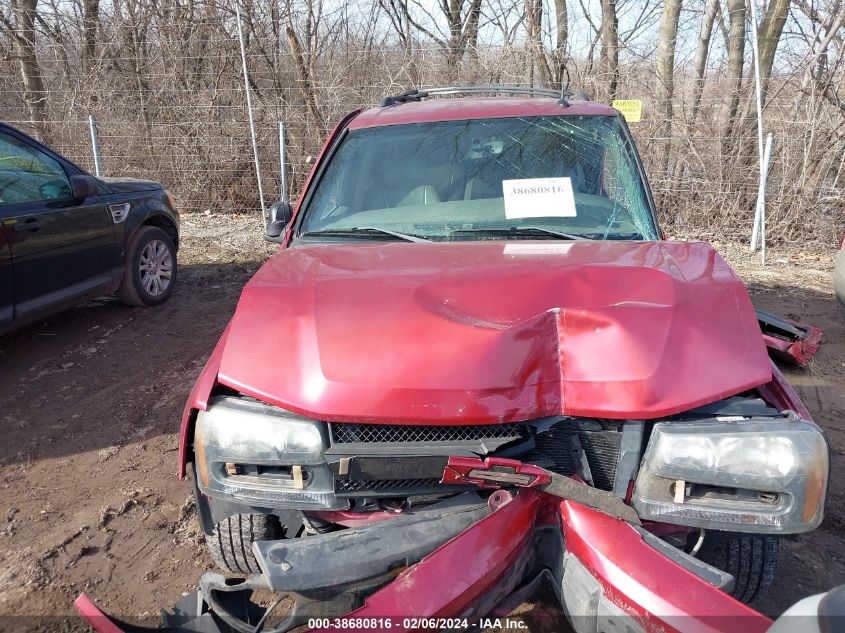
[{"x": 150, "y": 273}]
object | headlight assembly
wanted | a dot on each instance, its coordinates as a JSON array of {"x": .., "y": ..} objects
[
  {"x": 260, "y": 434},
  {"x": 254, "y": 453},
  {"x": 745, "y": 476}
]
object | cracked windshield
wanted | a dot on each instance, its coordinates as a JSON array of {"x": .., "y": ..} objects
[{"x": 553, "y": 177}]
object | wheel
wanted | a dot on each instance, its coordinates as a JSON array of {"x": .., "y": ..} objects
[
  {"x": 750, "y": 558},
  {"x": 230, "y": 543},
  {"x": 150, "y": 272}
]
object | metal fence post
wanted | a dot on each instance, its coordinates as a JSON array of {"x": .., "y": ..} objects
[
  {"x": 249, "y": 114},
  {"x": 95, "y": 145},
  {"x": 767, "y": 156},
  {"x": 283, "y": 181},
  {"x": 755, "y": 51},
  {"x": 758, "y": 232}
]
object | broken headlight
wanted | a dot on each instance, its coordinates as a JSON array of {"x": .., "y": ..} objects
[
  {"x": 744, "y": 476},
  {"x": 261, "y": 455}
]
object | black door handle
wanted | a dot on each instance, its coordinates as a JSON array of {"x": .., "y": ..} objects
[{"x": 30, "y": 224}]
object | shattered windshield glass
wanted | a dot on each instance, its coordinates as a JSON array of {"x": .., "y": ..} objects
[{"x": 484, "y": 179}]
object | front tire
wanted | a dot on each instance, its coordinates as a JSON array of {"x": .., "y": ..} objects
[
  {"x": 750, "y": 558},
  {"x": 230, "y": 543},
  {"x": 150, "y": 271}
]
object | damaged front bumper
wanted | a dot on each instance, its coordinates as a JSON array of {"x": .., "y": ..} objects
[
  {"x": 465, "y": 559},
  {"x": 789, "y": 341}
]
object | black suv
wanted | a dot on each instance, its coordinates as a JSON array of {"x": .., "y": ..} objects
[{"x": 66, "y": 236}]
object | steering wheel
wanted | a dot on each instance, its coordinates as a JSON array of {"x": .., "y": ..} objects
[{"x": 53, "y": 189}]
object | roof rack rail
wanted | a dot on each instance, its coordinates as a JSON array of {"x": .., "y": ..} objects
[{"x": 415, "y": 94}]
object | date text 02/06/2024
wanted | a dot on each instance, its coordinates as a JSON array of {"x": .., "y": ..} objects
[{"x": 414, "y": 623}]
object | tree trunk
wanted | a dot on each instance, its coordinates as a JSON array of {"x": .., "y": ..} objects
[
  {"x": 609, "y": 62},
  {"x": 736, "y": 52},
  {"x": 562, "y": 22},
  {"x": 768, "y": 38},
  {"x": 471, "y": 30},
  {"x": 534, "y": 29},
  {"x": 454, "y": 46},
  {"x": 303, "y": 69},
  {"x": 665, "y": 86},
  {"x": 91, "y": 21},
  {"x": 702, "y": 53},
  {"x": 705, "y": 33},
  {"x": 461, "y": 30},
  {"x": 34, "y": 94}
]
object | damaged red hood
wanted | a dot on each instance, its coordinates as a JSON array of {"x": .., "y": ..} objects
[{"x": 474, "y": 332}]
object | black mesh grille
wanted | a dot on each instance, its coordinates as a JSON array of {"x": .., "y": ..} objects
[
  {"x": 602, "y": 449},
  {"x": 345, "y": 433},
  {"x": 384, "y": 485},
  {"x": 554, "y": 451}
]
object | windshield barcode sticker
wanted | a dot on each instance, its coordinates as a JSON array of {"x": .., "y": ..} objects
[{"x": 539, "y": 198}]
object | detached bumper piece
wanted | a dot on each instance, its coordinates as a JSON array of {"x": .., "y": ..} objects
[
  {"x": 324, "y": 566},
  {"x": 476, "y": 560},
  {"x": 787, "y": 340}
]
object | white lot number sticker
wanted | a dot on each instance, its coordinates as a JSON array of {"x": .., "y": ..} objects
[{"x": 539, "y": 198}]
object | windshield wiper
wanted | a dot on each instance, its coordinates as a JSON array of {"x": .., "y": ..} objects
[
  {"x": 518, "y": 231},
  {"x": 364, "y": 230}
]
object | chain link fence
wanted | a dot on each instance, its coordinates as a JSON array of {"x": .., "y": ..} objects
[{"x": 179, "y": 117}]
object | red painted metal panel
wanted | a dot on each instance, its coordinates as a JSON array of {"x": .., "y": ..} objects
[
  {"x": 445, "y": 584},
  {"x": 473, "y": 332},
  {"x": 657, "y": 592}
]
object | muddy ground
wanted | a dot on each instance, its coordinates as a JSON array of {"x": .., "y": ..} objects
[{"x": 90, "y": 402}]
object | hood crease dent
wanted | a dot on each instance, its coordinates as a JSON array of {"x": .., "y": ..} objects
[{"x": 474, "y": 332}]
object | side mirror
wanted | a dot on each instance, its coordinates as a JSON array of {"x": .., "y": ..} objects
[
  {"x": 280, "y": 216},
  {"x": 83, "y": 186}
]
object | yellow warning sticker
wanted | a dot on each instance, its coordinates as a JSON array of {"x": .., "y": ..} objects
[{"x": 631, "y": 109}]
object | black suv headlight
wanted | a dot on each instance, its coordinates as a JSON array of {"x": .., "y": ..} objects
[
  {"x": 261, "y": 455},
  {"x": 742, "y": 475}
]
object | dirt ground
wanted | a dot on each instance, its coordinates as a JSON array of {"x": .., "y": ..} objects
[{"x": 90, "y": 402}]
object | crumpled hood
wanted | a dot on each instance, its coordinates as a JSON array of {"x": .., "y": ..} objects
[{"x": 479, "y": 332}]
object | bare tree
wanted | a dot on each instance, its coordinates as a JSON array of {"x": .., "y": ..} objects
[
  {"x": 550, "y": 65},
  {"x": 559, "y": 54},
  {"x": 462, "y": 18},
  {"x": 534, "y": 38},
  {"x": 768, "y": 38},
  {"x": 22, "y": 33},
  {"x": 665, "y": 84},
  {"x": 609, "y": 63},
  {"x": 702, "y": 53},
  {"x": 305, "y": 57},
  {"x": 399, "y": 17},
  {"x": 91, "y": 21},
  {"x": 163, "y": 79},
  {"x": 736, "y": 55}
]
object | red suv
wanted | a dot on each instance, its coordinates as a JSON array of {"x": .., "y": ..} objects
[{"x": 474, "y": 363}]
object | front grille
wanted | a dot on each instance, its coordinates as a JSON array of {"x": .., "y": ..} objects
[
  {"x": 385, "y": 485},
  {"x": 349, "y": 433},
  {"x": 561, "y": 449}
]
